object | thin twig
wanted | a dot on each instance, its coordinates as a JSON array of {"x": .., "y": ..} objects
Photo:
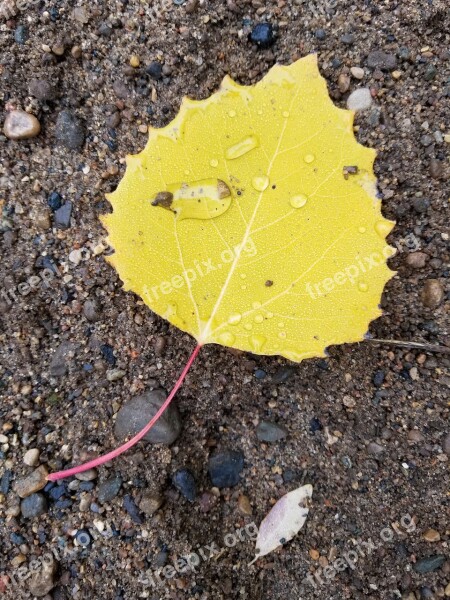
[{"x": 418, "y": 345}]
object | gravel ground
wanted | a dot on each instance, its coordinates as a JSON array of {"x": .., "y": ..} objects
[{"x": 368, "y": 427}]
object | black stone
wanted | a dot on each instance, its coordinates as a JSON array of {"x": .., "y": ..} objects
[
  {"x": 108, "y": 354},
  {"x": 54, "y": 201},
  {"x": 315, "y": 425},
  {"x": 154, "y": 69},
  {"x": 378, "y": 378},
  {"x": 224, "y": 468},
  {"x": 262, "y": 35},
  {"x": 131, "y": 508},
  {"x": 69, "y": 130},
  {"x": 62, "y": 215},
  {"x": 184, "y": 481},
  {"x": 320, "y": 34}
]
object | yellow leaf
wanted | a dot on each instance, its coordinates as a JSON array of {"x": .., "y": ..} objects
[{"x": 252, "y": 221}]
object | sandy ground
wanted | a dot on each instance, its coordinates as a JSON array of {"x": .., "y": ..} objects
[{"x": 368, "y": 427}]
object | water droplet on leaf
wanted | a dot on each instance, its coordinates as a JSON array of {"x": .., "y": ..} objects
[
  {"x": 226, "y": 338},
  {"x": 309, "y": 158},
  {"x": 234, "y": 319},
  {"x": 260, "y": 183},
  {"x": 362, "y": 286},
  {"x": 257, "y": 342},
  {"x": 298, "y": 201},
  {"x": 246, "y": 145},
  {"x": 259, "y": 319}
]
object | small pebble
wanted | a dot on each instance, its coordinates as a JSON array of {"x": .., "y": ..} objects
[
  {"x": 244, "y": 506},
  {"x": 109, "y": 489},
  {"x": 42, "y": 89},
  {"x": 21, "y": 34},
  {"x": 421, "y": 205},
  {"x": 154, "y": 69},
  {"x": 320, "y": 34},
  {"x": 138, "y": 411},
  {"x": 360, "y": 99},
  {"x": 134, "y": 61},
  {"x": 357, "y": 72},
  {"x": 34, "y": 482},
  {"x": 262, "y": 35},
  {"x": 417, "y": 260},
  {"x": 184, "y": 482},
  {"x": 270, "y": 432},
  {"x": 224, "y": 468},
  {"x": 429, "y": 564},
  {"x": 377, "y": 59},
  {"x": 69, "y": 130},
  {"x": 31, "y": 457},
  {"x": 343, "y": 83},
  {"x": 348, "y": 39},
  {"x": 33, "y": 506},
  {"x": 54, "y": 201},
  {"x": 20, "y": 125},
  {"x": 150, "y": 503},
  {"x": 88, "y": 475},
  {"x": 432, "y": 293},
  {"x": 431, "y": 535},
  {"x": 63, "y": 215}
]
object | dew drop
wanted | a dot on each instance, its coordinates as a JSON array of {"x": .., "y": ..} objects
[
  {"x": 214, "y": 162},
  {"x": 257, "y": 342},
  {"x": 246, "y": 145},
  {"x": 259, "y": 319},
  {"x": 269, "y": 315},
  {"x": 362, "y": 229},
  {"x": 285, "y": 114},
  {"x": 243, "y": 275},
  {"x": 282, "y": 335},
  {"x": 232, "y": 113},
  {"x": 186, "y": 172},
  {"x": 234, "y": 319},
  {"x": 362, "y": 286},
  {"x": 383, "y": 228},
  {"x": 298, "y": 201},
  {"x": 256, "y": 305},
  {"x": 260, "y": 112},
  {"x": 248, "y": 326},
  {"x": 226, "y": 338},
  {"x": 171, "y": 310},
  {"x": 280, "y": 325},
  {"x": 309, "y": 158},
  {"x": 243, "y": 287},
  {"x": 260, "y": 183}
]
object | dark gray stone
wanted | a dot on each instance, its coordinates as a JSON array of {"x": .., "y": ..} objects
[
  {"x": 429, "y": 564},
  {"x": 69, "y": 130},
  {"x": 184, "y": 481},
  {"x": 58, "y": 363},
  {"x": 378, "y": 59},
  {"x": 109, "y": 489},
  {"x": 270, "y": 432},
  {"x": 63, "y": 214},
  {"x": 224, "y": 468},
  {"x": 42, "y": 90},
  {"x": 136, "y": 413},
  {"x": 33, "y": 506}
]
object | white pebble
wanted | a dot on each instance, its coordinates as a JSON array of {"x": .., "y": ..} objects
[
  {"x": 31, "y": 457},
  {"x": 360, "y": 99},
  {"x": 357, "y": 72}
]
